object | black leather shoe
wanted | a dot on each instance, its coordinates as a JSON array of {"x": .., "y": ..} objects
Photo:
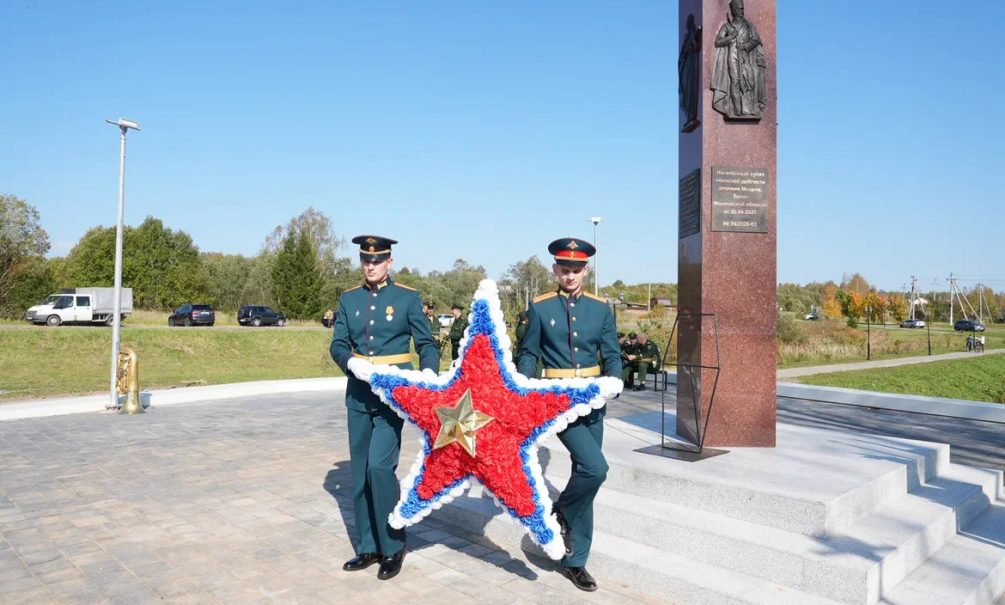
[
  {"x": 580, "y": 578},
  {"x": 361, "y": 561},
  {"x": 565, "y": 532},
  {"x": 641, "y": 387},
  {"x": 391, "y": 565}
]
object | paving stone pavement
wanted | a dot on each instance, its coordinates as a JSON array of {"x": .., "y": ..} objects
[{"x": 238, "y": 501}]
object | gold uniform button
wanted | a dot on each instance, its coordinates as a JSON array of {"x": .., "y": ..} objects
[
  {"x": 371, "y": 322},
  {"x": 371, "y": 338},
  {"x": 372, "y": 307},
  {"x": 577, "y": 350},
  {"x": 575, "y": 333},
  {"x": 573, "y": 318}
]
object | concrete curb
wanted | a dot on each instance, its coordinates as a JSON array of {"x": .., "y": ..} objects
[
  {"x": 96, "y": 403},
  {"x": 936, "y": 406}
]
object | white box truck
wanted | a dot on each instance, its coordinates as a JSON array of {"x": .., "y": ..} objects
[{"x": 80, "y": 305}]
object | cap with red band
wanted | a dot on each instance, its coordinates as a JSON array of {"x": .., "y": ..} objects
[{"x": 571, "y": 251}]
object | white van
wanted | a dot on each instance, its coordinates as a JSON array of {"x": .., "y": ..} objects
[{"x": 80, "y": 305}]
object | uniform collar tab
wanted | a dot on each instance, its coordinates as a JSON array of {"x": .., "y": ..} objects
[{"x": 380, "y": 286}]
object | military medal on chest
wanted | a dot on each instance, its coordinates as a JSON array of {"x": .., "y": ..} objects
[{"x": 390, "y": 312}]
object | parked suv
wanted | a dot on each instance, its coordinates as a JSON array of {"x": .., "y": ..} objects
[
  {"x": 192, "y": 315},
  {"x": 968, "y": 325},
  {"x": 258, "y": 315}
]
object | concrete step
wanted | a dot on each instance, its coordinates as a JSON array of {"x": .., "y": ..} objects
[
  {"x": 855, "y": 567},
  {"x": 968, "y": 570},
  {"x": 816, "y": 482},
  {"x": 643, "y": 567},
  {"x": 852, "y": 567}
]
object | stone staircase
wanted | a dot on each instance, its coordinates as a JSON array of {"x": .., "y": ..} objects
[{"x": 825, "y": 517}]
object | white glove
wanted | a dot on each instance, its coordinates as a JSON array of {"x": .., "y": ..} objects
[
  {"x": 360, "y": 368},
  {"x": 429, "y": 375}
]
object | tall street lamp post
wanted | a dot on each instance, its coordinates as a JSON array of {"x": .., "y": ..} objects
[
  {"x": 596, "y": 220},
  {"x": 124, "y": 125},
  {"x": 868, "y": 333}
]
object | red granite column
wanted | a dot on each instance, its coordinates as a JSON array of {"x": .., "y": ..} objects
[{"x": 727, "y": 254}]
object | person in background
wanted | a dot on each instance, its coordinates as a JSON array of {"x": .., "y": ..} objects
[{"x": 456, "y": 331}]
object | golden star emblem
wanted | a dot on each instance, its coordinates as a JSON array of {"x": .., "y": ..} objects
[
  {"x": 572, "y": 245},
  {"x": 459, "y": 424}
]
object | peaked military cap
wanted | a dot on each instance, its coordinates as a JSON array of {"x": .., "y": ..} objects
[
  {"x": 571, "y": 251},
  {"x": 457, "y": 306},
  {"x": 429, "y": 304},
  {"x": 631, "y": 335},
  {"x": 373, "y": 248}
]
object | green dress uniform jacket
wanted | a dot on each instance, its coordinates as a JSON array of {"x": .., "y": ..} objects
[
  {"x": 377, "y": 323},
  {"x": 575, "y": 333}
]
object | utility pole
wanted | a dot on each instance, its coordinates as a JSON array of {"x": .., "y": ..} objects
[
  {"x": 914, "y": 294},
  {"x": 596, "y": 220},
  {"x": 951, "y": 285}
]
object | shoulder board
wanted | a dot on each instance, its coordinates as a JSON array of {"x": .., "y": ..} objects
[
  {"x": 405, "y": 287},
  {"x": 351, "y": 289},
  {"x": 545, "y": 296},
  {"x": 595, "y": 297}
]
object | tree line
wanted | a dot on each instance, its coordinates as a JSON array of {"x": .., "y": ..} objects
[{"x": 303, "y": 267}]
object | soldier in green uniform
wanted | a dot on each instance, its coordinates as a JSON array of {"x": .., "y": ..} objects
[
  {"x": 434, "y": 324},
  {"x": 457, "y": 331},
  {"x": 375, "y": 322},
  {"x": 629, "y": 353},
  {"x": 646, "y": 357},
  {"x": 573, "y": 333}
]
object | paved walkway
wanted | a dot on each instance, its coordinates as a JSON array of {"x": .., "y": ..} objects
[
  {"x": 238, "y": 501},
  {"x": 880, "y": 363}
]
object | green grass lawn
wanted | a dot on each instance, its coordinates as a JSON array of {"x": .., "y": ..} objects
[
  {"x": 979, "y": 378},
  {"x": 831, "y": 341},
  {"x": 41, "y": 361},
  {"x": 38, "y": 361}
]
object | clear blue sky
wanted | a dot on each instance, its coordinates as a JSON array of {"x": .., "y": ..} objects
[{"x": 483, "y": 130}]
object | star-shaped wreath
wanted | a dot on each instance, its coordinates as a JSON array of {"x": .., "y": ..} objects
[{"x": 483, "y": 420}]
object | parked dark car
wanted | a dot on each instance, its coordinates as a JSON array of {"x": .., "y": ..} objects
[
  {"x": 192, "y": 315},
  {"x": 258, "y": 315},
  {"x": 968, "y": 325}
]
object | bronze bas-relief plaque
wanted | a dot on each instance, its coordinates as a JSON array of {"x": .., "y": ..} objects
[
  {"x": 689, "y": 204},
  {"x": 739, "y": 199}
]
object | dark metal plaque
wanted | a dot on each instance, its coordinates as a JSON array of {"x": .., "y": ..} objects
[
  {"x": 689, "y": 204},
  {"x": 740, "y": 199}
]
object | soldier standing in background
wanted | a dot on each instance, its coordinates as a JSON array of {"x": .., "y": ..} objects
[
  {"x": 457, "y": 331},
  {"x": 434, "y": 323}
]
